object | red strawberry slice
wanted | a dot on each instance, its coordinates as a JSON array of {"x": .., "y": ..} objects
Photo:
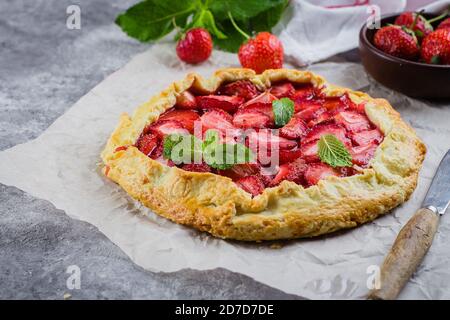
[
  {"x": 306, "y": 92},
  {"x": 360, "y": 108},
  {"x": 352, "y": 121},
  {"x": 319, "y": 171},
  {"x": 363, "y": 138},
  {"x": 251, "y": 184},
  {"x": 322, "y": 129},
  {"x": 336, "y": 104},
  {"x": 311, "y": 112},
  {"x": 294, "y": 129},
  {"x": 263, "y": 98},
  {"x": 147, "y": 143},
  {"x": 241, "y": 170},
  {"x": 283, "y": 90},
  {"x": 229, "y": 104},
  {"x": 286, "y": 156},
  {"x": 306, "y": 104},
  {"x": 186, "y": 100},
  {"x": 309, "y": 151},
  {"x": 361, "y": 155},
  {"x": 165, "y": 127},
  {"x": 266, "y": 139},
  {"x": 194, "y": 167},
  {"x": 242, "y": 88},
  {"x": 158, "y": 151},
  {"x": 219, "y": 120},
  {"x": 293, "y": 171},
  {"x": 323, "y": 117},
  {"x": 251, "y": 118},
  {"x": 265, "y": 108},
  {"x": 186, "y": 117}
]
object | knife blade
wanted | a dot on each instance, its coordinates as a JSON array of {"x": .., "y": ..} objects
[
  {"x": 415, "y": 238},
  {"x": 438, "y": 195}
]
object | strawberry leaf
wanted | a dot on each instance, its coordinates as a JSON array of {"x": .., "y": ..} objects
[
  {"x": 241, "y": 9},
  {"x": 283, "y": 110},
  {"x": 333, "y": 152},
  {"x": 152, "y": 19}
]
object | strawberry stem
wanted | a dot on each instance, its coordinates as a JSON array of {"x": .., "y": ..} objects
[
  {"x": 243, "y": 33},
  {"x": 416, "y": 18},
  {"x": 439, "y": 17}
]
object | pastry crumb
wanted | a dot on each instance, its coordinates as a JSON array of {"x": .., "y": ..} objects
[{"x": 276, "y": 246}]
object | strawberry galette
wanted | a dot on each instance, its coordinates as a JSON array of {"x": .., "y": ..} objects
[{"x": 278, "y": 155}]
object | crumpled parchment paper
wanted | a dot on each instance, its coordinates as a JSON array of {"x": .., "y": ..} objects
[{"x": 62, "y": 166}]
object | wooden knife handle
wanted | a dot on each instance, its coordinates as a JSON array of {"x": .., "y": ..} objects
[{"x": 407, "y": 252}]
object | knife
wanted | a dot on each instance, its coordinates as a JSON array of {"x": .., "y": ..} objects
[{"x": 414, "y": 239}]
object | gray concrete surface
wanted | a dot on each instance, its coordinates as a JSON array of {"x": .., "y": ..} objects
[{"x": 44, "y": 69}]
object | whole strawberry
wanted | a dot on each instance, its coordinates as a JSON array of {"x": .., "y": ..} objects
[
  {"x": 265, "y": 51},
  {"x": 195, "y": 46},
  {"x": 416, "y": 22},
  {"x": 397, "y": 41},
  {"x": 444, "y": 24},
  {"x": 436, "y": 47}
]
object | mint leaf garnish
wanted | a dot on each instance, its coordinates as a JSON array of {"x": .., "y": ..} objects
[
  {"x": 333, "y": 152},
  {"x": 283, "y": 110},
  {"x": 182, "y": 148},
  {"x": 223, "y": 156}
]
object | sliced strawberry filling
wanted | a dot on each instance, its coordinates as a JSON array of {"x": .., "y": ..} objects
[
  {"x": 310, "y": 111},
  {"x": 147, "y": 143},
  {"x": 194, "y": 167},
  {"x": 293, "y": 171},
  {"x": 283, "y": 90},
  {"x": 186, "y": 117},
  {"x": 251, "y": 118},
  {"x": 363, "y": 138},
  {"x": 242, "y": 88},
  {"x": 361, "y": 155},
  {"x": 165, "y": 127},
  {"x": 226, "y": 103},
  {"x": 186, "y": 100},
  {"x": 294, "y": 129},
  {"x": 251, "y": 184},
  {"x": 352, "y": 121},
  {"x": 319, "y": 171},
  {"x": 265, "y": 98},
  {"x": 240, "y": 113},
  {"x": 217, "y": 119},
  {"x": 305, "y": 92},
  {"x": 266, "y": 139}
]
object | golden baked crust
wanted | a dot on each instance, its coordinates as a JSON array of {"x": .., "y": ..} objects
[{"x": 213, "y": 203}]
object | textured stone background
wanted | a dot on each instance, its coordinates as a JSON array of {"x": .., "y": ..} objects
[{"x": 44, "y": 69}]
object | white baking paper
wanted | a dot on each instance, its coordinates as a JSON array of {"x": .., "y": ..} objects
[{"x": 62, "y": 166}]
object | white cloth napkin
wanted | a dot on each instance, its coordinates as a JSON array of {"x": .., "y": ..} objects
[{"x": 313, "y": 30}]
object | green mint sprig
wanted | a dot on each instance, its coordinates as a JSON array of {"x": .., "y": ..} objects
[
  {"x": 283, "y": 110},
  {"x": 333, "y": 152},
  {"x": 189, "y": 149},
  {"x": 151, "y": 20}
]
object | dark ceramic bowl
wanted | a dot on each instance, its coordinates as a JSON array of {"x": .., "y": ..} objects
[{"x": 415, "y": 79}]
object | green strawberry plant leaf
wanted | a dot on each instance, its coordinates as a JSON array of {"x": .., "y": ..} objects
[{"x": 151, "y": 20}]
